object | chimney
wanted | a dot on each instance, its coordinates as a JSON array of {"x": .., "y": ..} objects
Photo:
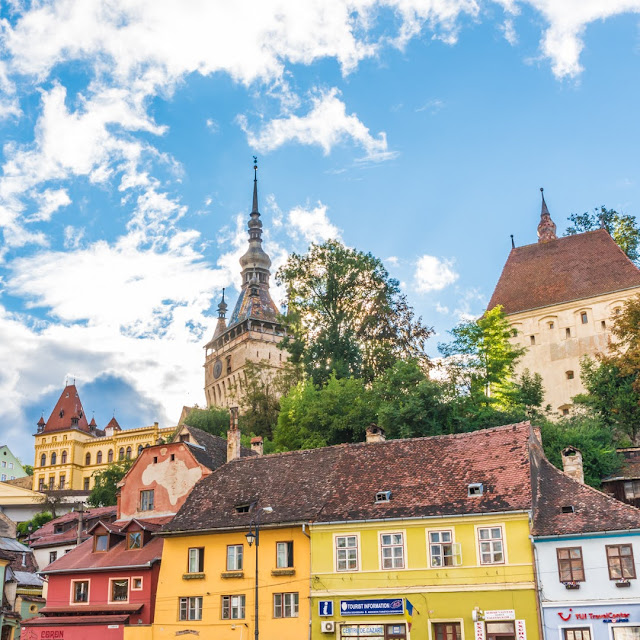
[
  {"x": 233, "y": 435},
  {"x": 572, "y": 464},
  {"x": 257, "y": 445},
  {"x": 375, "y": 433}
]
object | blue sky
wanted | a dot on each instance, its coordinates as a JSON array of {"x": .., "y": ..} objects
[{"x": 419, "y": 130}]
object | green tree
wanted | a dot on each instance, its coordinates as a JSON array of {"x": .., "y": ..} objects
[
  {"x": 105, "y": 488},
  {"x": 481, "y": 359},
  {"x": 28, "y": 469},
  {"x": 622, "y": 227},
  {"x": 213, "y": 420},
  {"x": 35, "y": 523},
  {"x": 346, "y": 315}
]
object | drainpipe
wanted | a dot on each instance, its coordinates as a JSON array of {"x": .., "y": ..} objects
[{"x": 304, "y": 530}]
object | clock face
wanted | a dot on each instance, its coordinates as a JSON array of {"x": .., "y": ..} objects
[{"x": 217, "y": 368}]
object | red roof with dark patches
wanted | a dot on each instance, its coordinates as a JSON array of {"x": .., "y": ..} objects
[
  {"x": 47, "y": 537},
  {"x": 114, "y": 424},
  {"x": 68, "y": 413},
  {"x": 593, "y": 511},
  {"x": 571, "y": 268},
  {"x": 426, "y": 477}
]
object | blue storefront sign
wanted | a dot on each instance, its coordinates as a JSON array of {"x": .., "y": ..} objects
[
  {"x": 617, "y": 620},
  {"x": 325, "y": 608},
  {"x": 379, "y": 607}
]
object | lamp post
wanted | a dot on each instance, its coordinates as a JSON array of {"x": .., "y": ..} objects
[{"x": 254, "y": 536}]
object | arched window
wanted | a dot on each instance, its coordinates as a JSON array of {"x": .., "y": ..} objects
[
  {"x": 43, "y": 460},
  {"x": 140, "y": 448},
  {"x": 110, "y": 456},
  {"x": 63, "y": 457},
  {"x": 87, "y": 459},
  {"x": 121, "y": 454},
  {"x": 128, "y": 453},
  {"x": 99, "y": 457},
  {"x": 54, "y": 457}
]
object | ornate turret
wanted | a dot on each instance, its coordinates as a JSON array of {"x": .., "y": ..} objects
[
  {"x": 547, "y": 227},
  {"x": 222, "y": 314}
]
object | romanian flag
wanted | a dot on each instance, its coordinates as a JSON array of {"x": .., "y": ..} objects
[{"x": 408, "y": 612}]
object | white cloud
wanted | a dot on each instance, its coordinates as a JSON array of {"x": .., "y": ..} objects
[
  {"x": 440, "y": 308},
  {"x": 49, "y": 202},
  {"x": 326, "y": 125},
  {"x": 432, "y": 106},
  {"x": 392, "y": 260},
  {"x": 72, "y": 237},
  {"x": 313, "y": 225},
  {"x": 433, "y": 274}
]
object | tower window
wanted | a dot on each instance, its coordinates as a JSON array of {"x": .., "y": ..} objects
[
  {"x": 550, "y": 325},
  {"x": 532, "y": 339},
  {"x": 603, "y": 324},
  {"x": 569, "y": 375},
  {"x": 567, "y": 332},
  {"x": 584, "y": 318}
]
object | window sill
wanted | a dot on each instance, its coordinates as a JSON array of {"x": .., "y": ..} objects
[
  {"x": 283, "y": 572},
  {"x": 571, "y": 585},
  {"x": 232, "y": 574},
  {"x": 623, "y": 583},
  {"x": 193, "y": 576}
]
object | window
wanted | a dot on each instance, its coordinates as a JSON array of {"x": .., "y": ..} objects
[
  {"x": 285, "y": 605},
  {"x": 99, "y": 457},
  {"x": 620, "y": 562},
  {"x": 41, "y": 484},
  {"x": 140, "y": 449},
  {"x": 110, "y": 456},
  {"x": 80, "y": 590},
  {"x": 284, "y": 555},
  {"x": 53, "y": 556},
  {"x": 196, "y": 560},
  {"x": 392, "y": 550},
  {"x": 136, "y": 584},
  {"x": 603, "y": 325},
  {"x": 191, "y": 608},
  {"x": 491, "y": 545},
  {"x": 532, "y": 339},
  {"x": 550, "y": 325},
  {"x": 63, "y": 458},
  {"x": 442, "y": 550},
  {"x": 631, "y": 489},
  {"x": 570, "y": 567},
  {"x": 347, "y": 553},
  {"x": 128, "y": 454},
  {"x": 134, "y": 540},
  {"x": 52, "y": 483},
  {"x": 584, "y": 318},
  {"x": 121, "y": 453},
  {"x": 234, "y": 557},
  {"x": 119, "y": 589},
  {"x": 570, "y": 375},
  {"x": 101, "y": 542},
  {"x": 62, "y": 480},
  {"x": 146, "y": 500},
  {"x": 567, "y": 332},
  {"x": 3, "y": 477},
  {"x": 583, "y": 633},
  {"x": 87, "y": 459},
  {"x": 475, "y": 489},
  {"x": 624, "y": 632},
  {"x": 4, "y": 464},
  {"x": 11, "y": 465},
  {"x": 447, "y": 631},
  {"x": 43, "y": 460},
  {"x": 233, "y": 607},
  {"x": 54, "y": 457}
]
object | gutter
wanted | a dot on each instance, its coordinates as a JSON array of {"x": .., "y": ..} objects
[
  {"x": 244, "y": 527},
  {"x": 147, "y": 565},
  {"x": 588, "y": 534}
]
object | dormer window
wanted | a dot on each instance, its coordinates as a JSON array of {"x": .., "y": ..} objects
[
  {"x": 134, "y": 540},
  {"x": 101, "y": 542},
  {"x": 383, "y": 496},
  {"x": 243, "y": 508},
  {"x": 568, "y": 508},
  {"x": 475, "y": 489},
  {"x": 61, "y": 414}
]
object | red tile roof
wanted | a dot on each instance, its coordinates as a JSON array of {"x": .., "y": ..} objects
[
  {"x": 46, "y": 536},
  {"x": 67, "y": 410},
  {"x": 571, "y": 268},
  {"x": 426, "y": 477}
]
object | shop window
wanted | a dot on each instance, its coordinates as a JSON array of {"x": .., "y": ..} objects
[
  {"x": 285, "y": 605},
  {"x": 501, "y": 630},
  {"x": 196, "y": 560},
  {"x": 570, "y": 565},
  {"x": 191, "y": 608},
  {"x": 392, "y": 550},
  {"x": 119, "y": 588},
  {"x": 374, "y": 631},
  {"x": 80, "y": 590},
  {"x": 233, "y": 607},
  {"x": 447, "y": 631},
  {"x": 491, "y": 545},
  {"x": 346, "y": 553},
  {"x": 443, "y": 551},
  {"x": 581, "y": 633},
  {"x": 134, "y": 540},
  {"x": 146, "y": 500},
  {"x": 625, "y": 632},
  {"x": 101, "y": 542},
  {"x": 284, "y": 555},
  {"x": 620, "y": 562},
  {"x": 234, "y": 557}
]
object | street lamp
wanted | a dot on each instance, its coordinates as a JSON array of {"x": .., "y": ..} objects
[{"x": 252, "y": 536}]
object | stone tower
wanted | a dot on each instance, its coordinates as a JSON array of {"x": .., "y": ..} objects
[{"x": 253, "y": 332}]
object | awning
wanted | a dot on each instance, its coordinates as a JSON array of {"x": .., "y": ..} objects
[
  {"x": 58, "y": 621},
  {"x": 81, "y": 609}
]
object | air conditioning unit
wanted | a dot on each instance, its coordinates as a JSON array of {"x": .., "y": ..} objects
[{"x": 327, "y": 626}]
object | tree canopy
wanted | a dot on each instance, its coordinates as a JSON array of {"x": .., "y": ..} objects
[{"x": 104, "y": 492}]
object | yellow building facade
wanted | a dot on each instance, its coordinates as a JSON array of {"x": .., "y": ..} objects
[
  {"x": 435, "y": 579},
  {"x": 207, "y": 586}
]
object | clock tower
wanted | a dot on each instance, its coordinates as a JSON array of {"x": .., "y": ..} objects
[{"x": 253, "y": 332}]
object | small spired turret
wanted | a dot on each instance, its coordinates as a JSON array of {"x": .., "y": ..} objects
[
  {"x": 547, "y": 227},
  {"x": 222, "y": 314}
]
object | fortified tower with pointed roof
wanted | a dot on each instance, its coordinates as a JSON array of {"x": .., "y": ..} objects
[
  {"x": 253, "y": 332},
  {"x": 562, "y": 294}
]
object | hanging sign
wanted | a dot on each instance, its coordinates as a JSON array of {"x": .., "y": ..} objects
[{"x": 379, "y": 607}]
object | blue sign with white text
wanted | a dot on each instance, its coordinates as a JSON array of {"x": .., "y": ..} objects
[
  {"x": 381, "y": 607},
  {"x": 325, "y": 607}
]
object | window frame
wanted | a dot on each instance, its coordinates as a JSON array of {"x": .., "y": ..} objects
[
  {"x": 391, "y": 545},
  {"x": 95, "y": 542},
  {"x": 293, "y": 607},
  {"x": 236, "y": 557},
  {"x": 187, "y": 600},
  {"x": 144, "y": 505},
  {"x": 347, "y": 569},
  {"x": 502, "y": 539},
  {"x": 133, "y": 587},
  {"x": 633, "y": 563},
  {"x": 72, "y": 592},
  {"x": 288, "y": 552},
  {"x": 456, "y": 548},
  {"x": 227, "y": 606},
  {"x": 573, "y": 629},
  {"x": 558, "y": 559},
  {"x": 459, "y": 622},
  {"x": 130, "y": 534},
  {"x": 53, "y": 556},
  {"x": 199, "y": 558},
  {"x": 111, "y": 599}
]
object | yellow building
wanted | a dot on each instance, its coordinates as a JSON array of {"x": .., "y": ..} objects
[
  {"x": 561, "y": 295},
  {"x": 69, "y": 449}
]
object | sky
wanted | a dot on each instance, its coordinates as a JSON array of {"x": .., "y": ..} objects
[{"x": 418, "y": 130}]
